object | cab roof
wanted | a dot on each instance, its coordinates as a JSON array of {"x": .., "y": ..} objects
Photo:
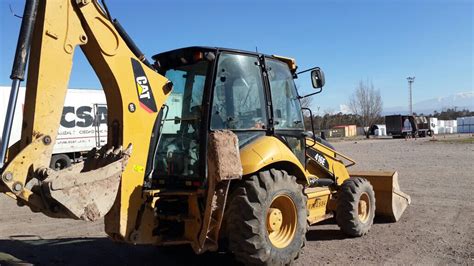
[{"x": 189, "y": 51}]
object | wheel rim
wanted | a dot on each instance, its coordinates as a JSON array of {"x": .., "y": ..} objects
[
  {"x": 60, "y": 164},
  {"x": 281, "y": 221},
  {"x": 364, "y": 207}
]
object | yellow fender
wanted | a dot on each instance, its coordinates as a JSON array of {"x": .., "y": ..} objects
[{"x": 268, "y": 150}]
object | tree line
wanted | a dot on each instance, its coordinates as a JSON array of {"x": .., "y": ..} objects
[
  {"x": 366, "y": 107},
  {"x": 450, "y": 114},
  {"x": 328, "y": 120}
]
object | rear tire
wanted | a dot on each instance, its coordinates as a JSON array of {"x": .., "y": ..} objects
[
  {"x": 254, "y": 235},
  {"x": 60, "y": 161},
  {"x": 355, "y": 206}
]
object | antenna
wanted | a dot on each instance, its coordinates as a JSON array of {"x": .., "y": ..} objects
[{"x": 13, "y": 13}]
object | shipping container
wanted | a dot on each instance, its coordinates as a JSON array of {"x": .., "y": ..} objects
[
  {"x": 83, "y": 124},
  {"x": 348, "y": 130}
]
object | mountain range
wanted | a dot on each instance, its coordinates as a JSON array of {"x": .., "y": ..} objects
[{"x": 462, "y": 100}]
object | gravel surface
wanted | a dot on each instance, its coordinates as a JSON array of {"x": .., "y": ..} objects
[{"x": 436, "y": 229}]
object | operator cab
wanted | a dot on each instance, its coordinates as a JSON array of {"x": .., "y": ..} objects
[{"x": 214, "y": 88}]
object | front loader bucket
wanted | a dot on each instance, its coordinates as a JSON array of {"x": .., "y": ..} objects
[{"x": 390, "y": 202}]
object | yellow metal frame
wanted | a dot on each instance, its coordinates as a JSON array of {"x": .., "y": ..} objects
[
  {"x": 321, "y": 202},
  {"x": 318, "y": 203},
  {"x": 337, "y": 168},
  {"x": 60, "y": 27}
]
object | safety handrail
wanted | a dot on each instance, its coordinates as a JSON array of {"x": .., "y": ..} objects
[{"x": 351, "y": 161}]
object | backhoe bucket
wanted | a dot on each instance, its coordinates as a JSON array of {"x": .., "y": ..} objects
[
  {"x": 86, "y": 191},
  {"x": 390, "y": 202}
]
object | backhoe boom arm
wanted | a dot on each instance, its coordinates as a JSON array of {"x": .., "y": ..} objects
[{"x": 134, "y": 94}]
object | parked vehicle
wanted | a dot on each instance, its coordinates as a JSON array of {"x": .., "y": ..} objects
[
  {"x": 419, "y": 126},
  {"x": 423, "y": 126},
  {"x": 83, "y": 124},
  {"x": 378, "y": 130}
]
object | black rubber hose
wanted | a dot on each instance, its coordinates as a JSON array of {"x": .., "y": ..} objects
[
  {"x": 18, "y": 71},
  {"x": 24, "y": 40},
  {"x": 130, "y": 43}
]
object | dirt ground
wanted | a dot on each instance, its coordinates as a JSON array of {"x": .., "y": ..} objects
[{"x": 436, "y": 229}]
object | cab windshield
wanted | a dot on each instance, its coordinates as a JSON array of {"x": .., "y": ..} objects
[{"x": 178, "y": 150}]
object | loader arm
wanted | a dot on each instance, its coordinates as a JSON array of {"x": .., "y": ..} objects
[{"x": 134, "y": 94}]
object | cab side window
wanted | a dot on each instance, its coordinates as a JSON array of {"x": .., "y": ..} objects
[
  {"x": 286, "y": 106},
  {"x": 238, "y": 94}
]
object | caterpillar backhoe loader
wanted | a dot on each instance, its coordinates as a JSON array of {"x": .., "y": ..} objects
[{"x": 206, "y": 146}]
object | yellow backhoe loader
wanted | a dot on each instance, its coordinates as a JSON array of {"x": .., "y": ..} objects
[{"x": 214, "y": 148}]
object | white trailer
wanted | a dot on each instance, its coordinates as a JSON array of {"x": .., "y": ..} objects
[
  {"x": 434, "y": 125},
  {"x": 83, "y": 124}
]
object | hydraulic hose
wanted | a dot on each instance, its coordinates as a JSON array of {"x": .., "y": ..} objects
[{"x": 18, "y": 70}]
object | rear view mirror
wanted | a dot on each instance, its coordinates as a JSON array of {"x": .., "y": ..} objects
[{"x": 317, "y": 78}]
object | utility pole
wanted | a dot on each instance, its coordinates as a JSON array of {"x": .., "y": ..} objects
[
  {"x": 319, "y": 119},
  {"x": 410, "y": 106}
]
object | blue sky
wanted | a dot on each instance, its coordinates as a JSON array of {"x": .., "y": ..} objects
[{"x": 383, "y": 41}]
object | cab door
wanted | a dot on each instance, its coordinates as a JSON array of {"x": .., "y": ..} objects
[
  {"x": 238, "y": 101},
  {"x": 287, "y": 117}
]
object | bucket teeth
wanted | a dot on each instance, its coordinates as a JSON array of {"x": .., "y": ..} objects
[
  {"x": 118, "y": 151},
  {"x": 104, "y": 156},
  {"x": 109, "y": 151},
  {"x": 128, "y": 150}
]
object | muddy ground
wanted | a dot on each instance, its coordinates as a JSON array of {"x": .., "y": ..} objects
[{"x": 436, "y": 229}]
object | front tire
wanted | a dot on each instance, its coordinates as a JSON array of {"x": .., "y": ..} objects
[
  {"x": 355, "y": 206},
  {"x": 266, "y": 219},
  {"x": 60, "y": 161}
]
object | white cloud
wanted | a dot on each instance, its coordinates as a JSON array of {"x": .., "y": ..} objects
[{"x": 344, "y": 108}]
